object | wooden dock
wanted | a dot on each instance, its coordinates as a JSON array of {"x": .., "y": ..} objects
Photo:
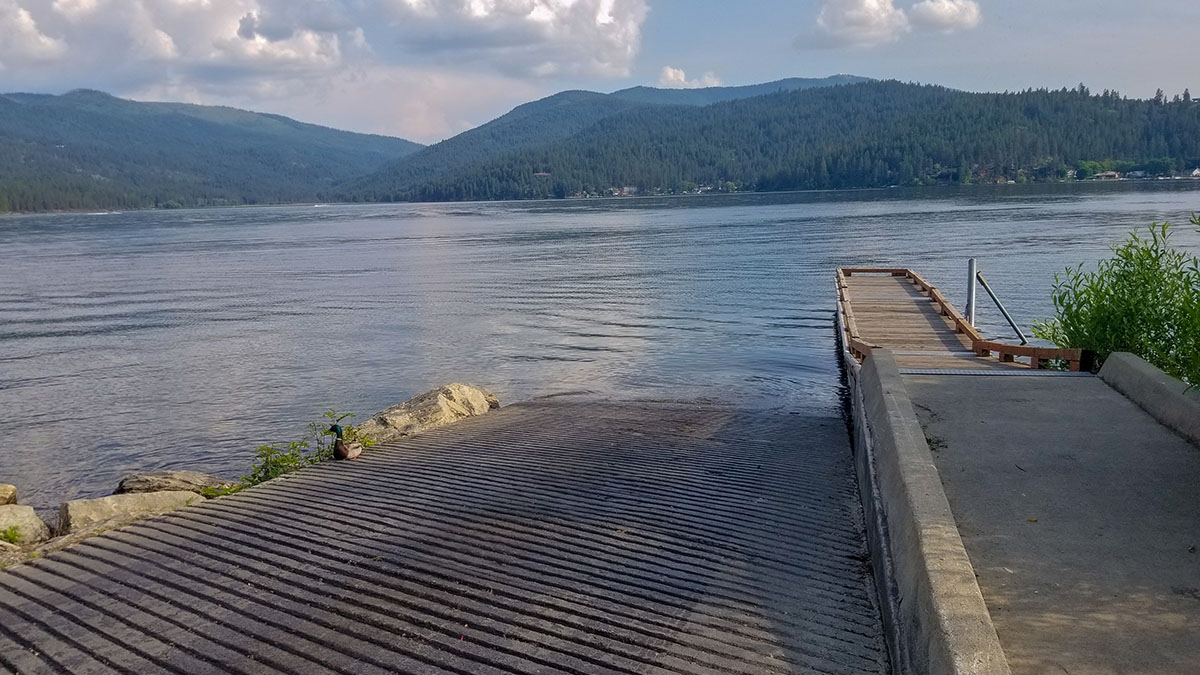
[
  {"x": 898, "y": 310},
  {"x": 553, "y": 537}
]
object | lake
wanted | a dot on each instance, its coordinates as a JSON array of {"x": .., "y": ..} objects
[{"x": 183, "y": 339}]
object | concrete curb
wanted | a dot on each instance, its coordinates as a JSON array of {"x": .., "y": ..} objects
[
  {"x": 1167, "y": 399},
  {"x": 931, "y": 602}
]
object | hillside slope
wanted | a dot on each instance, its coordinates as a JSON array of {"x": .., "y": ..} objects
[
  {"x": 861, "y": 135},
  {"x": 545, "y": 121},
  {"x": 87, "y": 149}
]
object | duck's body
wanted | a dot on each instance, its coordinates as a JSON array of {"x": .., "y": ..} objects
[{"x": 342, "y": 449}]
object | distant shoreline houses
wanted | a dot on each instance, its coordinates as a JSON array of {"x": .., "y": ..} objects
[{"x": 1140, "y": 175}]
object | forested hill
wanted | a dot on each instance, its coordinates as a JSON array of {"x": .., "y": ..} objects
[
  {"x": 860, "y": 135},
  {"x": 86, "y": 149},
  {"x": 706, "y": 95},
  {"x": 545, "y": 121},
  {"x": 532, "y": 124}
]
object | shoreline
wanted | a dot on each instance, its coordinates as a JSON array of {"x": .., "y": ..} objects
[{"x": 99, "y": 211}]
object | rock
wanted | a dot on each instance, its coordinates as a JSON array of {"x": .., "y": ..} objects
[
  {"x": 8, "y": 494},
  {"x": 30, "y": 528},
  {"x": 10, "y": 554},
  {"x": 164, "y": 481},
  {"x": 430, "y": 410},
  {"x": 82, "y": 513},
  {"x": 91, "y": 530}
]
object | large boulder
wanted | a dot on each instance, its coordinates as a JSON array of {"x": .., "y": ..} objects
[
  {"x": 29, "y": 529},
  {"x": 80, "y": 514},
  {"x": 436, "y": 408},
  {"x": 8, "y": 494},
  {"x": 164, "y": 481}
]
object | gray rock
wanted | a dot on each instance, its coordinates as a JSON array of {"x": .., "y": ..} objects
[
  {"x": 10, "y": 555},
  {"x": 82, "y": 513},
  {"x": 436, "y": 408},
  {"x": 163, "y": 481},
  {"x": 8, "y": 494},
  {"x": 30, "y": 528},
  {"x": 91, "y": 530}
]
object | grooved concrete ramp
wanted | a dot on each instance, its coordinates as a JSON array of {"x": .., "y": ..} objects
[{"x": 550, "y": 537}]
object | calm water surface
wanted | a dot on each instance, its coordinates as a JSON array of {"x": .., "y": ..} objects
[{"x": 183, "y": 339}]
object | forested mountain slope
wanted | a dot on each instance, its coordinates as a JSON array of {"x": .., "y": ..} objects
[
  {"x": 86, "y": 149},
  {"x": 531, "y": 124},
  {"x": 861, "y": 135},
  {"x": 548, "y": 120}
]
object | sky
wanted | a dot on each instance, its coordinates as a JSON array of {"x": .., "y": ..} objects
[{"x": 428, "y": 69}]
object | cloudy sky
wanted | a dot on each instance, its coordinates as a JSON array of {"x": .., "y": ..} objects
[{"x": 427, "y": 69}]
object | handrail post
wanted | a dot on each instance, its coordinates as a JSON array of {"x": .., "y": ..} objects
[
  {"x": 972, "y": 270},
  {"x": 1003, "y": 311}
]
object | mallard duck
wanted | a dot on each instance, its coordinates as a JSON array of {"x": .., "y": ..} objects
[{"x": 342, "y": 449}]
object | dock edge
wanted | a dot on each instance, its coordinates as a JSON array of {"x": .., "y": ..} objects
[{"x": 934, "y": 613}]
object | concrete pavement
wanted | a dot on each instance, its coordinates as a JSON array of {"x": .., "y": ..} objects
[{"x": 1081, "y": 516}]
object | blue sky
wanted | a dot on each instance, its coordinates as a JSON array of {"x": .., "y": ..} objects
[{"x": 426, "y": 69}]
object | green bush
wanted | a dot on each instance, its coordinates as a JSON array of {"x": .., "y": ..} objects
[
  {"x": 276, "y": 459},
  {"x": 1145, "y": 299}
]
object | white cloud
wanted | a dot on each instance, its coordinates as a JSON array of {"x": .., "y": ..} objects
[
  {"x": 946, "y": 15},
  {"x": 22, "y": 39},
  {"x": 676, "y": 78},
  {"x": 251, "y": 53},
  {"x": 522, "y": 37},
  {"x": 870, "y": 23},
  {"x": 863, "y": 23}
]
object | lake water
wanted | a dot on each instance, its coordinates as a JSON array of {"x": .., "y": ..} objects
[{"x": 183, "y": 339}]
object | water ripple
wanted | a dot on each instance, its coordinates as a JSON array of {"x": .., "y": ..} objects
[{"x": 183, "y": 339}]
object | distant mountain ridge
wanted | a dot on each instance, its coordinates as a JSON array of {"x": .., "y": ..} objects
[
  {"x": 869, "y": 134},
  {"x": 707, "y": 95},
  {"x": 87, "y": 149},
  {"x": 548, "y": 120}
]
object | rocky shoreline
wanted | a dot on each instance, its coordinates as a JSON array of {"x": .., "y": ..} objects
[{"x": 25, "y": 536}]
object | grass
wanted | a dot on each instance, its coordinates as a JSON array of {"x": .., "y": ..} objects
[{"x": 11, "y": 535}]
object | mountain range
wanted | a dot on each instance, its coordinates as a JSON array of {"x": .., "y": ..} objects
[{"x": 86, "y": 149}]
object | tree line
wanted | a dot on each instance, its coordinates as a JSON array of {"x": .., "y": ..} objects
[{"x": 865, "y": 135}]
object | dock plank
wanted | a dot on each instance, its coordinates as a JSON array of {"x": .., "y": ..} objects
[{"x": 894, "y": 312}]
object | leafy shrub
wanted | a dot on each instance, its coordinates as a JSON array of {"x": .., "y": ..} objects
[
  {"x": 274, "y": 460},
  {"x": 1145, "y": 299}
]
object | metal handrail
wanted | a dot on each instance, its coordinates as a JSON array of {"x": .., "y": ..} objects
[{"x": 973, "y": 270}]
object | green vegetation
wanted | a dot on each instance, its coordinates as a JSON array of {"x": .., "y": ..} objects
[
  {"x": 538, "y": 123},
  {"x": 11, "y": 535},
  {"x": 89, "y": 150},
  {"x": 1145, "y": 299},
  {"x": 277, "y": 459},
  {"x": 871, "y": 134},
  {"x": 85, "y": 149}
]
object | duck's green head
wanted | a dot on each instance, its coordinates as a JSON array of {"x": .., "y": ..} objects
[{"x": 337, "y": 430}]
